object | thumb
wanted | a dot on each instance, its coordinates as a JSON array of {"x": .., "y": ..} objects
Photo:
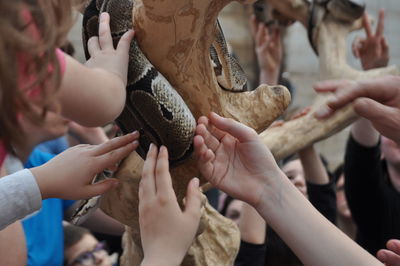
[
  {"x": 101, "y": 187},
  {"x": 234, "y": 128},
  {"x": 372, "y": 110},
  {"x": 193, "y": 199}
]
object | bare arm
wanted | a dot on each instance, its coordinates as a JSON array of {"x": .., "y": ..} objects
[
  {"x": 232, "y": 157},
  {"x": 94, "y": 94},
  {"x": 314, "y": 170},
  {"x": 252, "y": 226}
]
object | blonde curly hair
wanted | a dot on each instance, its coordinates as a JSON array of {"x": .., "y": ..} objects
[{"x": 52, "y": 19}]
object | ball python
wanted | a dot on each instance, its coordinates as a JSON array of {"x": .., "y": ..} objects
[{"x": 153, "y": 107}]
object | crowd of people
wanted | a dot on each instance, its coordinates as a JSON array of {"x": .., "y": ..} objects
[{"x": 293, "y": 212}]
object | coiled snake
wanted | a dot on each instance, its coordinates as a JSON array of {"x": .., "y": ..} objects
[{"x": 153, "y": 106}]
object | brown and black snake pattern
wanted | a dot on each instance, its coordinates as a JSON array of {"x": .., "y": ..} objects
[{"x": 152, "y": 107}]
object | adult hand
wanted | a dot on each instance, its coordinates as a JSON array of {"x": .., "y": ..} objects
[
  {"x": 373, "y": 51},
  {"x": 391, "y": 255},
  {"x": 166, "y": 231},
  {"x": 377, "y": 100},
  {"x": 268, "y": 48},
  {"x": 69, "y": 175},
  {"x": 232, "y": 157},
  {"x": 102, "y": 52}
]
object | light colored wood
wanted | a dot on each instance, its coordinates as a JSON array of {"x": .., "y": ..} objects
[
  {"x": 331, "y": 39},
  {"x": 176, "y": 37}
]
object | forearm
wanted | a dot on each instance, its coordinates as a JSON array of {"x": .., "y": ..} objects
[
  {"x": 314, "y": 170},
  {"x": 269, "y": 77},
  {"x": 364, "y": 133},
  {"x": 97, "y": 99},
  {"x": 313, "y": 238},
  {"x": 102, "y": 223},
  {"x": 252, "y": 226}
]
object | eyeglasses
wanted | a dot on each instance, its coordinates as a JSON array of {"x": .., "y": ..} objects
[{"x": 88, "y": 258}]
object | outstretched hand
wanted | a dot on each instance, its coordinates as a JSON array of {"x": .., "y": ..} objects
[
  {"x": 166, "y": 231},
  {"x": 377, "y": 100},
  {"x": 391, "y": 255},
  {"x": 373, "y": 51},
  {"x": 268, "y": 48},
  {"x": 232, "y": 157},
  {"x": 102, "y": 52},
  {"x": 69, "y": 175}
]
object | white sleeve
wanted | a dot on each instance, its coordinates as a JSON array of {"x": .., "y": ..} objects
[{"x": 19, "y": 196}]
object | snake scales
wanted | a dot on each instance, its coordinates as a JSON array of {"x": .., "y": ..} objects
[{"x": 152, "y": 105}]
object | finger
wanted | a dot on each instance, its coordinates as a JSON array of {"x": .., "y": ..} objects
[
  {"x": 259, "y": 34},
  {"x": 204, "y": 157},
  {"x": 110, "y": 159},
  {"x": 125, "y": 42},
  {"x": 372, "y": 110},
  {"x": 379, "y": 89},
  {"x": 211, "y": 141},
  {"x": 105, "y": 38},
  {"x": 394, "y": 245},
  {"x": 385, "y": 47},
  {"x": 115, "y": 143},
  {"x": 214, "y": 131},
  {"x": 234, "y": 128},
  {"x": 93, "y": 45},
  {"x": 380, "y": 28},
  {"x": 329, "y": 85},
  {"x": 100, "y": 187},
  {"x": 147, "y": 183},
  {"x": 388, "y": 257},
  {"x": 163, "y": 177},
  {"x": 193, "y": 199},
  {"x": 200, "y": 148},
  {"x": 367, "y": 25},
  {"x": 356, "y": 47}
]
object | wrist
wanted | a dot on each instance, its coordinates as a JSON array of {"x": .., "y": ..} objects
[
  {"x": 271, "y": 190},
  {"x": 269, "y": 77},
  {"x": 40, "y": 178}
]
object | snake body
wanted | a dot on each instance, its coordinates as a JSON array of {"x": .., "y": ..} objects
[{"x": 152, "y": 105}]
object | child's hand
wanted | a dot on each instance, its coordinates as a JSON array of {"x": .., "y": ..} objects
[
  {"x": 102, "y": 52},
  {"x": 166, "y": 231},
  {"x": 69, "y": 175},
  {"x": 373, "y": 51},
  {"x": 232, "y": 158},
  {"x": 268, "y": 48}
]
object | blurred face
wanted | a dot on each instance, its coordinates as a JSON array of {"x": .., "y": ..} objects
[
  {"x": 341, "y": 201},
  {"x": 234, "y": 210},
  {"x": 87, "y": 252},
  {"x": 294, "y": 171}
]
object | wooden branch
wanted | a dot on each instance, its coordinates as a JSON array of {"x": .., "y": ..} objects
[{"x": 331, "y": 35}]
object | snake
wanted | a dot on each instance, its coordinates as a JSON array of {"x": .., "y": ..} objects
[{"x": 153, "y": 106}]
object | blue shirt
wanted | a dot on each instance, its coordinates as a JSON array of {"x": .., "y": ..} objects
[{"x": 43, "y": 230}]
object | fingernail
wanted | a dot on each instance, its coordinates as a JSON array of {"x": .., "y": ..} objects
[
  {"x": 135, "y": 143},
  {"x": 102, "y": 15},
  {"x": 195, "y": 182},
  {"x": 135, "y": 133},
  {"x": 323, "y": 111}
]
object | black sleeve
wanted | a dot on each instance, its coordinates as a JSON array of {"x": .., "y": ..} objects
[
  {"x": 250, "y": 254},
  {"x": 323, "y": 198},
  {"x": 363, "y": 184}
]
